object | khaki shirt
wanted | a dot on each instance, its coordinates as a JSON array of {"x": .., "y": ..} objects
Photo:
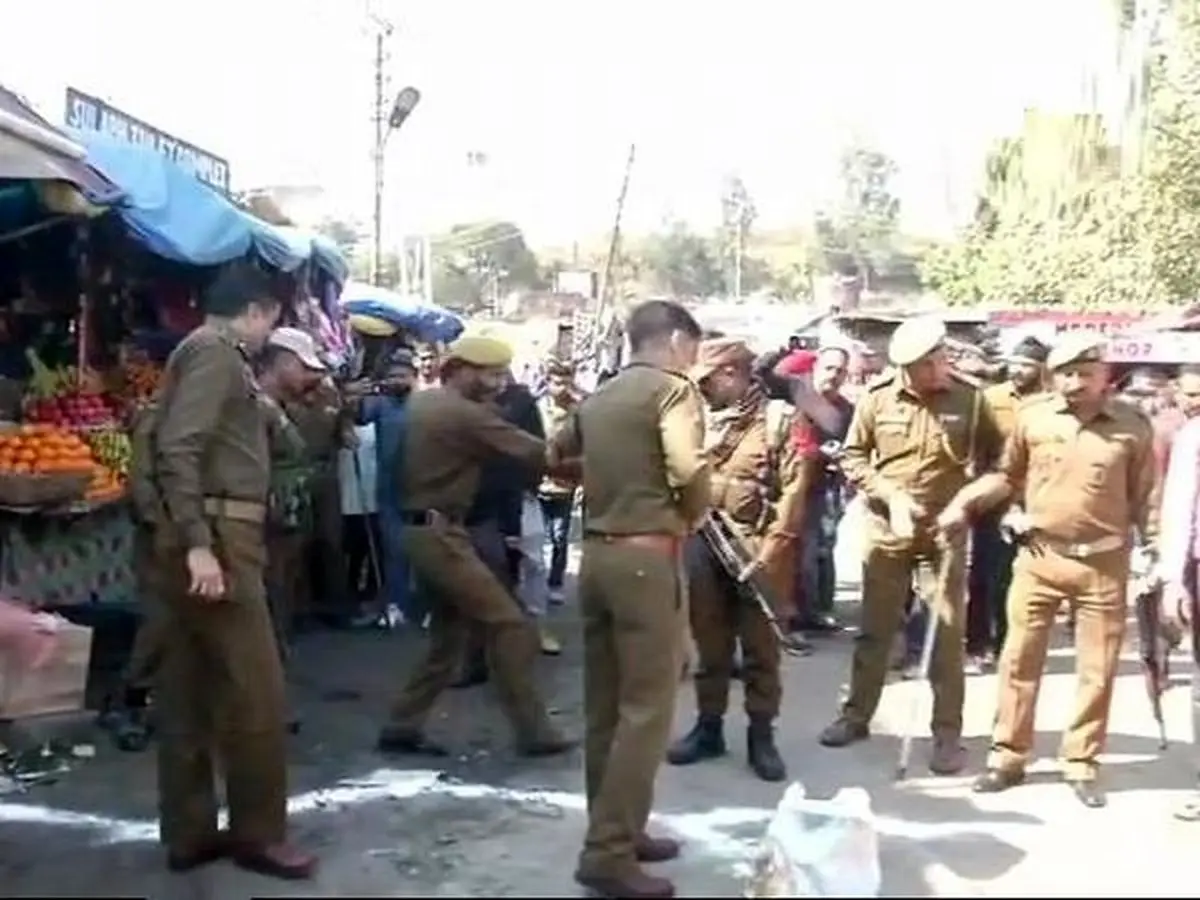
[
  {"x": 759, "y": 482},
  {"x": 447, "y": 438},
  {"x": 1081, "y": 481},
  {"x": 1004, "y": 401},
  {"x": 644, "y": 469},
  {"x": 211, "y": 437},
  {"x": 927, "y": 447}
]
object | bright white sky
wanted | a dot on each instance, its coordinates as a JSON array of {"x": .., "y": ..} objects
[{"x": 554, "y": 92}]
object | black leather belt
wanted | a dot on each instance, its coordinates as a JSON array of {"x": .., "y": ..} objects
[{"x": 423, "y": 518}]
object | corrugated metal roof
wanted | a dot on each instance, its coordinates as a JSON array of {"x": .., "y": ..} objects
[{"x": 24, "y": 158}]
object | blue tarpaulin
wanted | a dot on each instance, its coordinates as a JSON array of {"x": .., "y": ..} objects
[
  {"x": 427, "y": 321},
  {"x": 175, "y": 215},
  {"x": 168, "y": 209}
]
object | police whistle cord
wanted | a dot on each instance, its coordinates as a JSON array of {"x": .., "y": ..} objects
[
  {"x": 924, "y": 586},
  {"x": 722, "y": 540}
]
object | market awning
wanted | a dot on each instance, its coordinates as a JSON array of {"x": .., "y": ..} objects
[
  {"x": 177, "y": 216},
  {"x": 31, "y": 149},
  {"x": 169, "y": 210}
]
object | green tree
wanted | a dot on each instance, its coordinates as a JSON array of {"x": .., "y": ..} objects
[
  {"x": 1095, "y": 219},
  {"x": 683, "y": 263},
  {"x": 738, "y": 214},
  {"x": 346, "y": 235},
  {"x": 858, "y": 234},
  {"x": 475, "y": 262},
  {"x": 493, "y": 249}
]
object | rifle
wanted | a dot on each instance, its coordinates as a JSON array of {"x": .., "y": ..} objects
[
  {"x": 721, "y": 537},
  {"x": 1156, "y": 641}
]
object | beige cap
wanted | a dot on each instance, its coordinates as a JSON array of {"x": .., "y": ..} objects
[
  {"x": 485, "y": 352},
  {"x": 300, "y": 343},
  {"x": 915, "y": 339},
  {"x": 1076, "y": 347}
]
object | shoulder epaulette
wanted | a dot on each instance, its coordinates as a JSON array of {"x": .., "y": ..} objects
[{"x": 882, "y": 380}]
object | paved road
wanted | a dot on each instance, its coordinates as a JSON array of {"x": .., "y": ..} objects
[{"x": 491, "y": 825}]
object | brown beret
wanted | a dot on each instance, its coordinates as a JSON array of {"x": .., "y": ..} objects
[{"x": 719, "y": 352}]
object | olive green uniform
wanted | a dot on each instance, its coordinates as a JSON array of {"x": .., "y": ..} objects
[
  {"x": 446, "y": 439},
  {"x": 927, "y": 448},
  {"x": 146, "y": 654},
  {"x": 220, "y": 687},
  {"x": 289, "y": 523},
  {"x": 646, "y": 484},
  {"x": 320, "y": 422}
]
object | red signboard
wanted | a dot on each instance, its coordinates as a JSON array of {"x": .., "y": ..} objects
[{"x": 1063, "y": 320}]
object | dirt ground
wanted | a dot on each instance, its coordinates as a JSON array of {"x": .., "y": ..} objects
[{"x": 492, "y": 825}]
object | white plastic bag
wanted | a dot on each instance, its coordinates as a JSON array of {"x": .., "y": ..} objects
[{"x": 818, "y": 848}]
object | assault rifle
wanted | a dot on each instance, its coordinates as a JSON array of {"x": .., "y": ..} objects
[{"x": 723, "y": 541}]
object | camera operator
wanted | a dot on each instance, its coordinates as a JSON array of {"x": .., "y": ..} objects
[{"x": 383, "y": 402}]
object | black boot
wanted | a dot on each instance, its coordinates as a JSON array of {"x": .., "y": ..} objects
[
  {"x": 706, "y": 740},
  {"x": 761, "y": 752}
]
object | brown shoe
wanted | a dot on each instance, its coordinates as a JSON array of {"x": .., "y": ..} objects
[
  {"x": 993, "y": 781},
  {"x": 655, "y": 850},
  {"x": 948, "y": 756},
  {"x": 216, "y": 848},
  {"x": 278, "y": 861},
  {"x": 634, "y": 885},
  {"x": 550, "y": 744},
  {"x": 399, "y": 739}
]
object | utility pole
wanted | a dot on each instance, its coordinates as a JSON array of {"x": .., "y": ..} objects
[
  {"x": 738, "y": 251},
  {"x": 381, "y": 125}
]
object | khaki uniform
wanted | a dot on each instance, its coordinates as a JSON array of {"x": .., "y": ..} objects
[
  {"x": 646, "y": 484},
  {"x": 446, "y": 439},
  {"x": 925, "y": 447},
  {"x": 320, "y": 424},
  {"x": 757, "y": 482},
  {"x": 221, "y": 685},
  {"x": 1084, "y": 486}
]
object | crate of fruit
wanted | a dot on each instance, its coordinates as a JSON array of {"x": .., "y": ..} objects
[
  {"x": 42, "y": 465},
  {"x": 42, "y": 490}
]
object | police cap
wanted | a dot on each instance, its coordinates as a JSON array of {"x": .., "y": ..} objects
[
  {"x": 485, "y": 352},
  {"x": 1076, "y": 347},
  {"x": 915, "y": 339}
]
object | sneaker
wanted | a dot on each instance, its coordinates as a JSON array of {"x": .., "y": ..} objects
[
  {"x": 550, "y": 644},
  {"x": 556, "y": 596}
]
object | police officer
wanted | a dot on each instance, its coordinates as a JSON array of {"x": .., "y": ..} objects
[
  {"x": 646, "y": 485},
  {"x": 991, "y": 554},
  {"x": 220, "y": 681},
  {"x": 325, "y": 425},
  {"x": 1079, "y": 465},
  {"x": 917, "y": 434},
  {"x": 754, "y": 480},
  {"x": 288, "y": 368},
  {"x": 451, "y": 431}
]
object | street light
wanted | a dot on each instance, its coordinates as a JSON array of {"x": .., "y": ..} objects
[{"x": 406, "y": 101}]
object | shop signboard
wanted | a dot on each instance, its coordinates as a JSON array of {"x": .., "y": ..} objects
[
  {"x": 88, "y": 113},
  {"x": 1065, "y": 320},
  {"x": 1156, "y": 348}
]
